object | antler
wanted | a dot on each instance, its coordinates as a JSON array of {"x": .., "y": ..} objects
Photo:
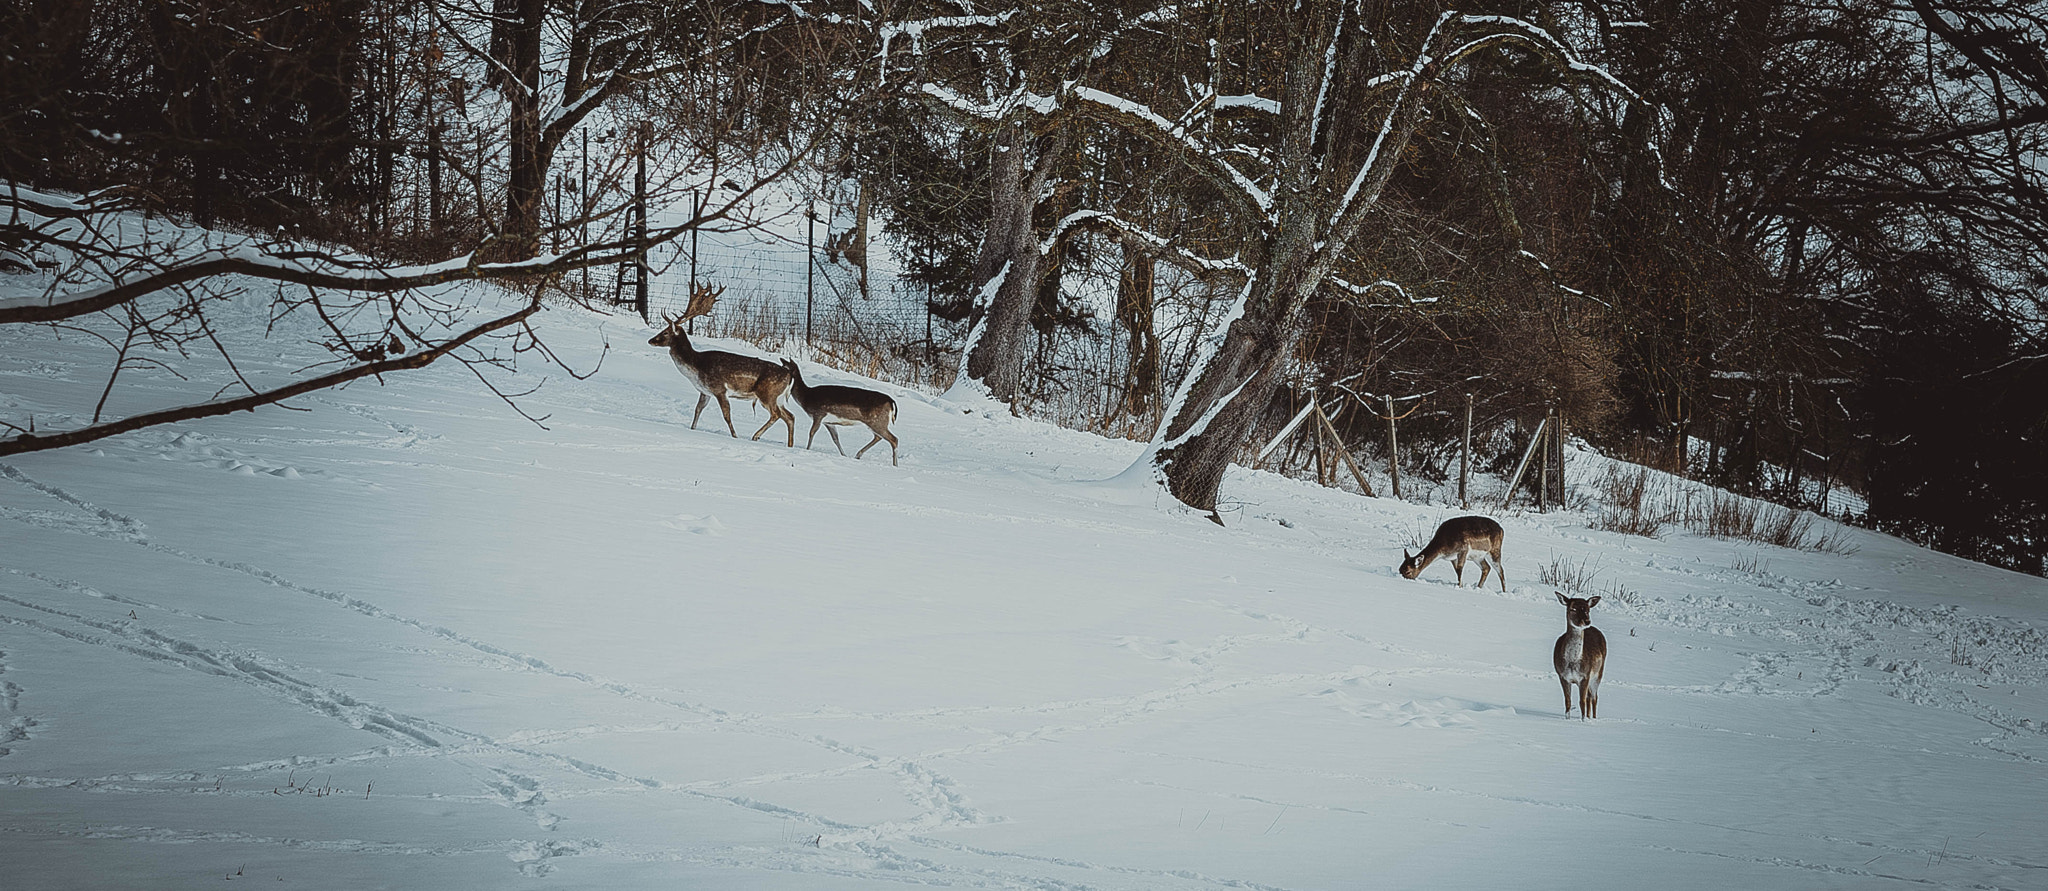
[{"x": 701, "y": 301}]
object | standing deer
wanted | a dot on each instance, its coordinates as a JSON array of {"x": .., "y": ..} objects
[
  {"x": 837, "y": 406},
  {"x": 1580, "y": 655},
  {"x": 718, "y": 375},
  {"x": 1455, "y": 537}
]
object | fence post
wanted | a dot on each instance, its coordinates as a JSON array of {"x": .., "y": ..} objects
[
  {"x": 640, "y": 223},
  {"x": 434, "y": 176},
  {"x": 696, "y": 211},
  {"x": 583, "y": 209},
  {"x": 1465, "y": 456},
  {"x": 1393, "y": 449},
  {"x": 810, "y": 268},
  {"x": 1557, "y": 440}
]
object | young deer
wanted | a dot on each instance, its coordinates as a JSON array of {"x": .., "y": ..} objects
[
  {"x": 838, "y": 406},
  {"x": 1455, "y": 537},
  {"x": 718, "y": 375},
  {"x": 1580, "y": 655}
]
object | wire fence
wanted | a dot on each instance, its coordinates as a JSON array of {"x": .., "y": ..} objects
[{"x": 803, "y": 301}]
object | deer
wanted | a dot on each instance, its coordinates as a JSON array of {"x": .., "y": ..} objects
[
  {"x": 836, "y": 406},
  {"x": 1580, "y": 655},
  {"x": 1456, "y": 537},
  {"x": 719, "y": 375}
]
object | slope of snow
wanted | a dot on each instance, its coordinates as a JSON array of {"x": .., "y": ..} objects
[{"x": 406, "y": 639}]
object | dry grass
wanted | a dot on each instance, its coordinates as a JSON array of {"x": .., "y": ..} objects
[
  {"x": 1726, "y": 515},
  {"x": 1616, "y": 591},
  {"x": 1567, "y": 574},
  {"x": 1630, "y": 502}
]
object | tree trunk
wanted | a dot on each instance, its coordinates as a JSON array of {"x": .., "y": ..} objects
[
  {"x": 1134, "y": 305},
  {"x": 1232, "y": 389},
  {"x": 527, "y": 177},
  {"x": 1216, "y": 413},
  {"x": 1008, "y": 268}
]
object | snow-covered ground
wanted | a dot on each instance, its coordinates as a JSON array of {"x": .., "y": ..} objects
[{"x": 407, "y": 639}]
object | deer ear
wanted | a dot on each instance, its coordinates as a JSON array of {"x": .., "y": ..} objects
[
  {"x": 1595, "y": 601},
  {"x": 1404, "y": 555},
  {"x": 1562, "y": 599}
]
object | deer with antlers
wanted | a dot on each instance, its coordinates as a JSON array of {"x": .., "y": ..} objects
[{"x": 721, "y": 375}]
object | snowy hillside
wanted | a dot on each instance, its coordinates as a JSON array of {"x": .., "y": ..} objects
[{"x": 406, "y": 639}]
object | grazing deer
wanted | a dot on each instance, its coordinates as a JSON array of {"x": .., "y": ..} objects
[
  {"x": 718, "y": 375},
  {"x": 1455, "y": 537},
  {"x": 1580, "y": 655},
  {"x": 837, "y": 406}
]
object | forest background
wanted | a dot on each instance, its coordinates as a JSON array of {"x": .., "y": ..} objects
[{"x": 1790, "y": 249}]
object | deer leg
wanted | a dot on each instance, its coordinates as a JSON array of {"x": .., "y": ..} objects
[
  {"x": 726, "y": 408},
  {"x": 834, "y": 430},
  {"x": 881, "y": 433},
  {"x": 776, "y": 413},
  {"x": 1458, "y": 566},
  {"x": 702, "y": 400},
  {"x": 1501, "y": 569},
  {"x": 1484, "y": 568},
  {"x": 1589, "y": 694},
  {"x": 1567, "y": 685},
  {"x": 816, "y": 422}
]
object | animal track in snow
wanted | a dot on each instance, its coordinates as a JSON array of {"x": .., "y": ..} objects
[
  {"x": 96, "y": 521},
  {"x": 18, "y": 725},
  {"x": 706, "y": 525},
  {"x": 532, "y": 857},
  {"x": 523, "y": 792},
  {"x": 1430, "y": 713}
]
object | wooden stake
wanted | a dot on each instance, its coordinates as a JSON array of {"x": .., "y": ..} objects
[
  {"x": 1289, "y": 429},
  {"x": 1523, "y": 467},
  {"x": 1344, "y": 453},
  {"x": 1322, "y": 460}
]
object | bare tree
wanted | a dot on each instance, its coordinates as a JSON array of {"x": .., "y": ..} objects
[
  {"x": 150, "y": 290},
  {"x": 160, "y": 294},
  {"x": 1303, "y": 176}
]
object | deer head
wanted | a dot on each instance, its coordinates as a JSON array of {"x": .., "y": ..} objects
[{"x": 670, "y": 327}]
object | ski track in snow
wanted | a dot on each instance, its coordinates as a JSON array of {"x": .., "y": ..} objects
[{"x": 1810, "y": 630}]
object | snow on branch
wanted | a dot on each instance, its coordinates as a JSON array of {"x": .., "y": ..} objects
[
  {"x": 1429, "y": 61},
  {"x": 1146, "y": 122},
  {"x": 917, "y": 30},
  {"x": 1545, "y": 43},
  {"x": 1251, "y": 101},
  {"x": 1363, "y": 291},
  {"x": 1166, "y": 250}
]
